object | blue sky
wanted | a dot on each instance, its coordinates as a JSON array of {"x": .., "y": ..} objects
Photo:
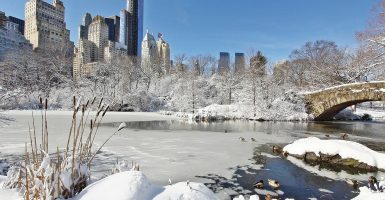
[{"x": 275, "y": 27}]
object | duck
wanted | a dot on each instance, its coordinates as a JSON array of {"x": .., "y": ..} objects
[
  {"x": 344, "y": 136},
  {"x": 273, "y": 183},
  {"x": 242, "y": 139},
  {"x": 259, "y": 184},
  {"x": 277, "y": 149},
  {"x": 268, "y": 197},
  {"x": 253, "y": 140},
  {"x": 327, "y": 135},
  {"x": 351, "y": 182}
]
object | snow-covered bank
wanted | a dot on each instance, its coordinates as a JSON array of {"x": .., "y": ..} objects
[
  {"x": 346, "y": 149},
  {"x": 279, "y": 111},
  {"x": 132, "y": 185},
  {"x": 367, "y": 194},
  {"x": 376, "y": 114}
]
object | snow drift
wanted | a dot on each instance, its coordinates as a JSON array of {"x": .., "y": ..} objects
[{"x": 134, "y": 185}]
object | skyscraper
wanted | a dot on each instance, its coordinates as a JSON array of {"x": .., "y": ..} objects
[
  {"x": 239, "y": 62},
  {"x": 3, "y": 19},
  {"x": 149, "y": 53},
  {"x": 113, "y": 24},
  {"x": 98, "y": 35},
  {"x": 96, "y": 46},
  {"x": 224, "y": 62},
  {"x": 45, "y": 25},
  {"x": 83, "y": 28},
  {"x": 164, "y": 55},
  {"x": 131, "y": 26}
]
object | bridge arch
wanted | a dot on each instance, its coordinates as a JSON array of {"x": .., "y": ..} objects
[{"x": 325, "y": 104}]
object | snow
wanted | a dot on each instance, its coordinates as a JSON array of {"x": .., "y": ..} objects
[
  {"x": 376, "y": 114},
  {"x": 280, "y": 110},
  {"x": 241, "y": 197},
  {"x": 182, "y": 191},
  {"x": 366, "y": 193},
  {"x": 134, "y": 185},
  {"x": 346, "y": 149},
  {"x": 9, "y": 194},
  {"x": 122, "y": 186},
  {"x": 342, "y": 86}
]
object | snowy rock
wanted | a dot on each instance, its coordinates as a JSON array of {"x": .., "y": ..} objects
[
  {"x": 182, "y": 191},
  {"x": 130, "y": 185},
  {"x": 134, "y": 185},
  {"x": 345, "y": 149}
]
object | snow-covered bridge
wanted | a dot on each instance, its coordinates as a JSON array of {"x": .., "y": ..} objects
[{"x": 326, "y": 103}]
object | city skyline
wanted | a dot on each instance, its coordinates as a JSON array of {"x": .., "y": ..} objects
[{"x": 275, "y": 30}]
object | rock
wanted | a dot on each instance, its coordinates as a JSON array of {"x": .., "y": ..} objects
[{"x": 335, "y": 162}]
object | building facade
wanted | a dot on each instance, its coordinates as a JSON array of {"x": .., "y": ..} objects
[
  {"x": 224, "y": 62},
  {"x": 3, "y": 19},
  {"x": 131, "y": 26},
  {"x": 240, "y": 62},
  {"x": 45, "y": 25},
  {"x": 19, "y": 22},
  {"x": 10, "y": 36},
  {"x": 83, "y": 28},
  {"x": 95, "y": 48},
  {"x": 155, "y": 55},
  {"x": 164, "y": 54},
  {"x": 113, "y": 24}
]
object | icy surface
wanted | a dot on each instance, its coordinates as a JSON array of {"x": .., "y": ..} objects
[
  {"x": 346, "y": 149},
  {"x": 184, "y": 191},
  {"x": 168, "y": 150}
]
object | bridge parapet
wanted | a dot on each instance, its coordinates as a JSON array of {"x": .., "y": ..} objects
[{"x": 324, "y": 104}]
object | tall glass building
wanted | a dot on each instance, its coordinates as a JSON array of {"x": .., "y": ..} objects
[
  {"x": 131, "y": 26},
  {"x": 140, "y": 26}
]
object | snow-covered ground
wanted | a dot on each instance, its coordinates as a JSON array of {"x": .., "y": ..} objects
[
  {"x": 367, "y": 194},
  {"x": 377, "y": 114},
  {"x": 279, "y": 111},
  {"x": 131, "y": 185},
  {"x": 134, "y": 185}
]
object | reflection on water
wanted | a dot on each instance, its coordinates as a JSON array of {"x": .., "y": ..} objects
[{"x": 353, "y": 128}]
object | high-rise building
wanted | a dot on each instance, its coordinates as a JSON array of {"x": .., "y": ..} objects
[
  {"x": 164, "y": 54},
  {"x": 240, "y": 62},
  {"x": 131, "y": 26},
  {"x": 83, "y": 28},
  {"x": 45, "y": 25},
  {"x": 3, "y": 19},
  {"x": 95, "y": 48},
  {"x": 224, "y": 62},
  {"x": 155, "y": 55},
  {"x": 98, "y": 35},
  {"x": 113, "y": 24},
  {"x": 10, "y": 36},
  {"x": 19, "y": 22},
  {"x": 149, "y": 53}
]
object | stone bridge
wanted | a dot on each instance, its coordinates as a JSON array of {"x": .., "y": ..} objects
[{"x": 325, "y": 104}]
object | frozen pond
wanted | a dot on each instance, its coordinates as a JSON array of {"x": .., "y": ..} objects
[{"x": 167, "y": 148}]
